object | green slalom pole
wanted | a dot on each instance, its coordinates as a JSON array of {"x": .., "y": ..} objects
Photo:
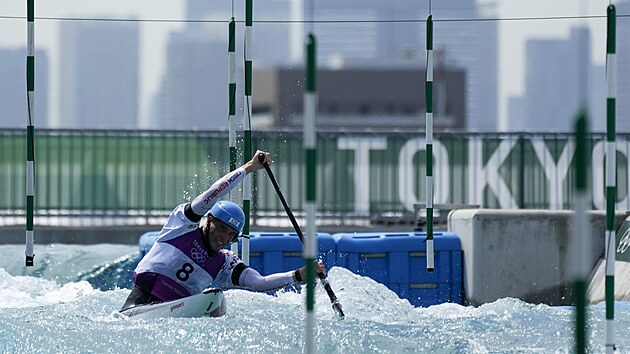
[
  {"x": 247, "y": 136},
  {"x": 232, "y": 95},
  {"x": 310, "y": 244},
  {"x": 580, "y": 226},
  {"x": 232, "y": 110},
  {"x": 30, "y": 132},
  {"x": 429, "y": 144},
  {"x": 611, "y": 173}
]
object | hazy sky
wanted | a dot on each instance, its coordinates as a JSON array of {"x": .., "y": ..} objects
[{"x": 512, "y": 34}]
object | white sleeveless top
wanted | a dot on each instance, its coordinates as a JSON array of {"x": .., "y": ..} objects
[{"x": 179, "y": 265}]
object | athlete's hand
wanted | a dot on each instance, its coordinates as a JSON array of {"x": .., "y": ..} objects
[
  {"x": 319, "y": 269},
  {"x": 255, "y": 163}
]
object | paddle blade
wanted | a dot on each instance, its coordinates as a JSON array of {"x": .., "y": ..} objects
[{"x": 331, "y": 294}]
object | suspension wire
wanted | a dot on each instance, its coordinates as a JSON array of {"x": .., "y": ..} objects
[{"x": 489, "y": 19}]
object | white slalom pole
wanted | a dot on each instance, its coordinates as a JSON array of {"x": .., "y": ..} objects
[
  {"x": 30, "y": 133},
  {"x": 429, "y": 144},
  {"x": 611, "y": 174},
  {"x": 310, "y": 244},
  {"x": 247, "y": 125},
  {"x": 232, "y": 109},
  {"x": 247, "y": 120},
  {"x": 232, "y": 96},
  {"x": 580, "y": 239}
]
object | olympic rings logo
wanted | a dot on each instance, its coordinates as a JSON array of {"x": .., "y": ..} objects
[
  {"x": 197, "y": 255},
  {"x": 624, "y": 243}
]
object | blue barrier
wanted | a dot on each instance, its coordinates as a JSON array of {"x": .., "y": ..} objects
[
  {"x": 399, "y": 262},
  {"x": 280, "y": 252}
]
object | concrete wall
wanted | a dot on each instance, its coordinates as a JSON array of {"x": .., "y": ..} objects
[
  {"x": 523, "y": 254},
  {"x": 77, "y": 234},
  {"x": 129, "y": 232}
]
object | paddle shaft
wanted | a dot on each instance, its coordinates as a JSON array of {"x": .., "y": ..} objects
[{"x": 331, "y": 294}]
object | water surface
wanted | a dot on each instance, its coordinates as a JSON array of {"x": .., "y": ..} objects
[{"x": 64, "y": 305}]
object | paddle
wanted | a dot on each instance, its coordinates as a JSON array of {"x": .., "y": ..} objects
[{"x": 331, "y": 294}]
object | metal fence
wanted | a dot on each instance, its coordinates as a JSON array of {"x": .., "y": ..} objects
[{"x": 359, "y": 174}]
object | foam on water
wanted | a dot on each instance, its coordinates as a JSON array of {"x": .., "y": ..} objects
[
  {"x": 24, "y": 291},
  {"x": 55, "y": 312}
]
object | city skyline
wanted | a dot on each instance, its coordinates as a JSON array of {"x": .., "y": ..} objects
[
  {"x": 149, "y": 87},
  {"x": 341, "y": 46}
]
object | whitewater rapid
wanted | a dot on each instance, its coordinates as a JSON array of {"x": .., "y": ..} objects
[{"x": 65, "y": 303}]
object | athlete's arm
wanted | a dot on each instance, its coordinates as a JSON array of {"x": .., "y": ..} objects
[
  {"x": 204, "y": 202},
  {"x": 250, "y": 278}
]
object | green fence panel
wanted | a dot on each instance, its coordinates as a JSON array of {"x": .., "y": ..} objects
[{"x": 359, "y": 174}]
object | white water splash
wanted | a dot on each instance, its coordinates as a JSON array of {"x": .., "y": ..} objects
[
  {"x": 25, "y": 291},
  {"x": 57, "y": 315}
]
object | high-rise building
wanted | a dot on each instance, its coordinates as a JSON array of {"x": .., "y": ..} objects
[
  {"x": 98, "y": 75},
  {"x": 557, "y": 85},
  {"x": 369, "y": 98},
  {"x": 13, "y": 113},
  {"x": 361, "y": 38},
  {"x": 363, "y": 33},
  {"x": 271, "y": 37},
  {"x": 597, "y": 98},
  {"x": 194, "y": 89},
  {"x": 194, "y": 93}
]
